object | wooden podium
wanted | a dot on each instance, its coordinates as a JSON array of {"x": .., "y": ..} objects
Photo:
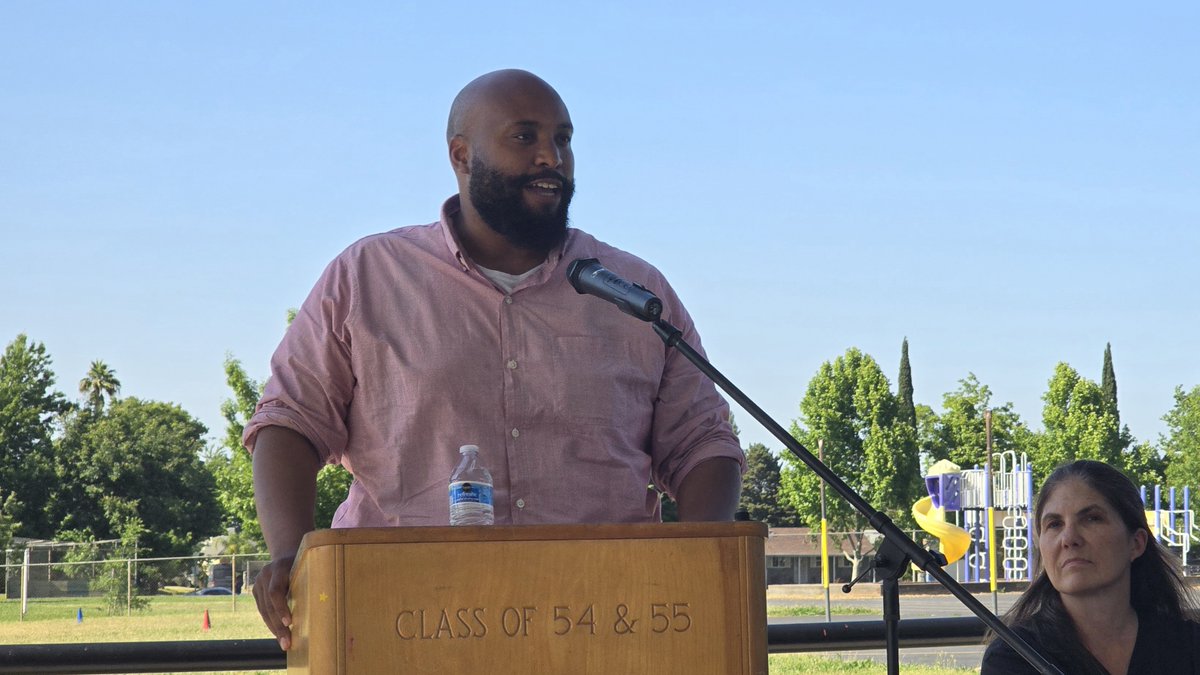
[{"x": 612, "y": 599}]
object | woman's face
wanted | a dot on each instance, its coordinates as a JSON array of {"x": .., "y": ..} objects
[{"x": 1085, "y": 547}]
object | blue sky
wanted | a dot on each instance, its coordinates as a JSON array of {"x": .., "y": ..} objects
[{"x": 1008, "y": 187}]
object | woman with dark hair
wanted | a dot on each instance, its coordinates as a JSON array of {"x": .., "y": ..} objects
[{"x": 1107, "y": 599}]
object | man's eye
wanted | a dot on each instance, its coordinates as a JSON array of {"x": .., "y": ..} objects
[
  {"x": 523, "y": 137},
  {"x": 564, "y": 140}
]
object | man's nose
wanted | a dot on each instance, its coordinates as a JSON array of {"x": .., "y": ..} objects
[{"x": 549, "y": 154}]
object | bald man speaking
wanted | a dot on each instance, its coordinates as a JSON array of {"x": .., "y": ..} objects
[{"x": 417, "y": 341}]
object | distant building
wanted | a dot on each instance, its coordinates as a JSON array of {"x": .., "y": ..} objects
[{"x": 793, "y": 556}]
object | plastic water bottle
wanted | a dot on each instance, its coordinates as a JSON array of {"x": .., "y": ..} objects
[{"x": 471, "y": 490}]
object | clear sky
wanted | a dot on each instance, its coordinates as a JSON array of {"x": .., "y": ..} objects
[{"x": 1007, "y": 186}]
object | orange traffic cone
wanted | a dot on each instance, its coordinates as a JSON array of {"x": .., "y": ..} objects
[{"x": 205, "y": 624}]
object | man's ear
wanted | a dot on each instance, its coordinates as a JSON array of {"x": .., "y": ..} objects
[{"x": 460, "y": 155}]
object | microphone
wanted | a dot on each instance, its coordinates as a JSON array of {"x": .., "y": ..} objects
[{"x": 589, "y": 277}]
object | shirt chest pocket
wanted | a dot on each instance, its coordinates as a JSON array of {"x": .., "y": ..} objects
[{"x": 601, "y": 381}]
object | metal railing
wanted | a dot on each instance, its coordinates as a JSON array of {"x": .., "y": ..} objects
[{"x": 264, "y": 654}]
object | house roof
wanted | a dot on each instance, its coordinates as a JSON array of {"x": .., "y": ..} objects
[{"x": 803, "y": 541}]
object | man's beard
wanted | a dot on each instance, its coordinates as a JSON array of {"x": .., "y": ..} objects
[{"x": 500, "y": 201}]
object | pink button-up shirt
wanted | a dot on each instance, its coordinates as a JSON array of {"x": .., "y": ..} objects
[{"x": 403, "y": 352}]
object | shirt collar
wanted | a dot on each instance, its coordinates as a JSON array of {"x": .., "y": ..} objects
[{"x": 453, "y": 207}]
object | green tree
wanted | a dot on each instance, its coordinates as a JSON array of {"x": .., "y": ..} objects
[
  {"x": 905, "y": 410},
  {"x": 8, "y": 523},
  {"x": 1145, "y": 465},
  {"x": 760, "y": 489},
  {"x": 1138, "y": 460},
  {"x": 1181, "y": 444},
  {"x": 99, "y": 384},
  {"x": 113, "y": 579},
  {"x": 1108, "y": 383},
  {"x": 850, "y": 406},
  {"x": 929, "y": 443},
  {"x": 29, "y": 407},
  {"x": 1078, "y": 424},
  {"x": 230, "y": 465},
  {"x": 960, "y": 432},
  {"x": 138, "y": 460},
  {"x": 333, "y": 484}
]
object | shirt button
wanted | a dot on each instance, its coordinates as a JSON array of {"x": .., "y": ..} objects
[
  {"x": 520, "y": 503},
  {"x": 512, "y": 364},
  {"x": 508, "y": 299},
  {"x": 516, "y": 433}
]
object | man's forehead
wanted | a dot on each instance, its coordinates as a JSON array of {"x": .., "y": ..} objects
[{"x": 533, "y": 106}]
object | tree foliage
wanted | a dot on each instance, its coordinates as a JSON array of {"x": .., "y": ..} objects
[
  {"x": 960, "y": 432},
  {"x": 99, "y": 384},
  {"x": 8, "y": 523},
  {"x": 1145, "y": 465},
  {"x": 906, "y": 410},
  {"x": 230, "y": 465},
  {"x": 850, "y": 407},
  {"x": 1078, "y": 423},
  {"x": 1139, "y": 460},
  {"x": 1108, "y": 383},
  {"x": 137, "y": 462},
  {"x": 29, "y": 407},
  {"x": 1182, "y": 440},
  {"x": 113, "y": 580},
  {"x": 760, "y": 489}
]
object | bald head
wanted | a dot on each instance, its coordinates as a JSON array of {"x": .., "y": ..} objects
[
  {"x": 490, "y": 90},
  {"x": 509, "y": 142}
]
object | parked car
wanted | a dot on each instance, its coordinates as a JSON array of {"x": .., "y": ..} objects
[{"x": 213, "y": 590}]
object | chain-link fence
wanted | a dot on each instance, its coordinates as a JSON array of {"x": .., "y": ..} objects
[{"x": 45, "y": 573}]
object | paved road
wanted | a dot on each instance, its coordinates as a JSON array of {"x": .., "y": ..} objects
[{"x": 911, "y": 607}]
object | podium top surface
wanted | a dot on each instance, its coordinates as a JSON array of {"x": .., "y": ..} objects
[{"x": 412, "y": 535}]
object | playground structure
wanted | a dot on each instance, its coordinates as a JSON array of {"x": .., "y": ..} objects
[
  {"x": 1003, "y": 550},
  {"x": 1174, "y": 527},
  {"x": 975, "y": 503}
]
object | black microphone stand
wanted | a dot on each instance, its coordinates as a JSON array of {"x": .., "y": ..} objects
[{"x": 897, "y": 549}]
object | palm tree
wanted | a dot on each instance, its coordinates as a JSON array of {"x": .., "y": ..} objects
[{"x": 99, "y": 383}]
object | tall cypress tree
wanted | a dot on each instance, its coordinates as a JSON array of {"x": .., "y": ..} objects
[
  {"x": 760, "y": 489},
  {"x": 906, "y": 411},
  {"x": 1108, "y": 383}
]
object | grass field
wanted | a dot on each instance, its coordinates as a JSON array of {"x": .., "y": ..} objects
[
  {"x": 167, "y": 618},
  {"x": 819, "y": 610},
  {"x": 806, "y": 664},
  {"x": 181, "y": 618}
]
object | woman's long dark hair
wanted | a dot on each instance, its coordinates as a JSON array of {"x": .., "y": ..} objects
[{"x": 1156, "y": 586}]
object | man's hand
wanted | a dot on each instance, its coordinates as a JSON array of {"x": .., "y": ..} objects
[{"x": 271, "y": 594}]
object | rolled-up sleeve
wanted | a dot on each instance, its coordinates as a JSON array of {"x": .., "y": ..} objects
[
  {"x": 312, "y": 371},
  {"x": 691, "y": 419}
]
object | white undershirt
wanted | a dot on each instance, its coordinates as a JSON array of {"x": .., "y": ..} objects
[{"x": 505, "y": 281}]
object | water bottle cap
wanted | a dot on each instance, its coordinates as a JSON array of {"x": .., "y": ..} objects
[{"x": 468, "y": 448}]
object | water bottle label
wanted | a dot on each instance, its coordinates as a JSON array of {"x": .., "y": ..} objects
[{"x": 466, "y": 492}]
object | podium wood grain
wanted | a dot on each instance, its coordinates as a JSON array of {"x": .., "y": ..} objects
[{"x": 652, "y": 598}]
